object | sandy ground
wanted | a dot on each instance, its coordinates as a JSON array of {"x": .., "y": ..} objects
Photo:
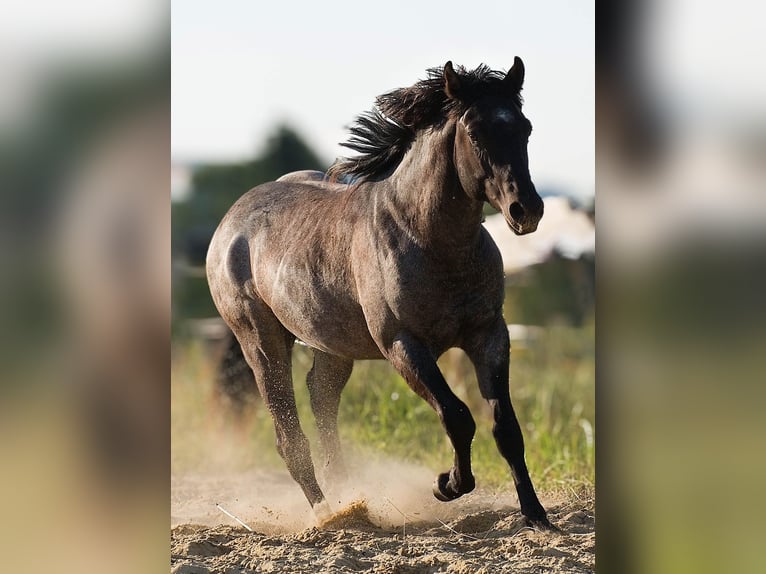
[{"x": 390, "y": 525}]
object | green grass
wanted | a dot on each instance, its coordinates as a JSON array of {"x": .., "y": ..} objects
[{"x": 552, "y": 386}]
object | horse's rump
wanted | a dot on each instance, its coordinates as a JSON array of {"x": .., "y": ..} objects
[{"x": 300, "y": 238}]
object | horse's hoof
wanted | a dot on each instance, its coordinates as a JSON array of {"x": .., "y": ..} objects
[
  {"x": 441, "y": 489},
  {"x": 322, "y": 511},
  {"x": 541, "y": 523}
]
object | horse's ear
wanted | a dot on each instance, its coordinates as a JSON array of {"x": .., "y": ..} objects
[
  {"x": 514, "y": 79},
  {"x": 451, "y": 81}
]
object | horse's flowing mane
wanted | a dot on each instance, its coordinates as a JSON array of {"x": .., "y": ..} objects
[{"x": 382, "y": 135}]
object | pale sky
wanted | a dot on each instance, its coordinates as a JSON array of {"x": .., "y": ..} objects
[{"x": 241, "y": 67}]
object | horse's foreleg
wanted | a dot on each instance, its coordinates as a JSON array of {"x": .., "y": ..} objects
[
  {"x": 490, "y": 354},
  {"x": 325, "y": 381},
  {"x": 417, "y": 365}
]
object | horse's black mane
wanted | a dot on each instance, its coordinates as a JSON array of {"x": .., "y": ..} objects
[{"x": 382, "y": 135}]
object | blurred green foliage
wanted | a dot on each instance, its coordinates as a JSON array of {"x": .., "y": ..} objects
[{"x": 556, "y": 291}]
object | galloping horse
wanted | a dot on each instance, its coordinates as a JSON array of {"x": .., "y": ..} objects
[{"x": 393, "y": 265}]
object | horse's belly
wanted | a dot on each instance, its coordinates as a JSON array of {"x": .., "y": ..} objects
[
  {"x": 350, "y": 348},
  {"x": 332, "y": 324},
  {"x": 344, "y": 337}
]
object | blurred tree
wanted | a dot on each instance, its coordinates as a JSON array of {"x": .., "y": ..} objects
[
  {"x": 557, "y": 290},
  {"x": 219, "y": 186}
]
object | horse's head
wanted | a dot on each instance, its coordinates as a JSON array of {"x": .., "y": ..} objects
[{"x": 491, "y": 149}]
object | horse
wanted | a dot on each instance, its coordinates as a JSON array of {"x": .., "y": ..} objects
[{"x": 385, "y": 257}]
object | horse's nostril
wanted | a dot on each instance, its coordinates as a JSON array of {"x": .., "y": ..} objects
[{"x": 516, "y": 211}]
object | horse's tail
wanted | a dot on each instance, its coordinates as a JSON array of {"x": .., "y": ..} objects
[{"x": 234, "y": 378}]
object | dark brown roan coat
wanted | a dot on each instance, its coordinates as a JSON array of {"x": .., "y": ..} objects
[{"x": 386, "y": 257}]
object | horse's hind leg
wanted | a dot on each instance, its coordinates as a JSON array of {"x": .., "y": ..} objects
[
  {"x": 490, "y": 353},
  {"x": 267, "y": 346},
  {"x": 325, "y": 381},
  {"x": 417, "y": 365}
]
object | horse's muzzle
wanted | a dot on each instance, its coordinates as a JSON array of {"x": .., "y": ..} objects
[{"x": 523, "y": 221}]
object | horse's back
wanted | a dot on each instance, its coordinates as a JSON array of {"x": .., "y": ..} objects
[
  {"x": 303, "y": 176},
  {"x": 258, "y": 221}
]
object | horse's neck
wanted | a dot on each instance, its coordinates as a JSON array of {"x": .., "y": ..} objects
[{"x": 426, "y": 189}]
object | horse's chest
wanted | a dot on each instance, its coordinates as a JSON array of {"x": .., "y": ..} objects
[{"x": 442, "y": 304}]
